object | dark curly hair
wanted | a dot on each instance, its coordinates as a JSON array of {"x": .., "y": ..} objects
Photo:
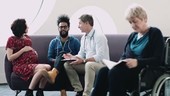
[
  {"x": 63, "y": 18},
  {"x": 18, "y": 27}
]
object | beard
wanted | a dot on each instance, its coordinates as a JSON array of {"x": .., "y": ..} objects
[{"x": 63, "y": 34}]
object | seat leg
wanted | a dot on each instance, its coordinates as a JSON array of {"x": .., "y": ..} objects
[
  {"x": 134, "y": 93},
  {"x": 17, "y": 92},
  {"x": 127, "y": 94}
]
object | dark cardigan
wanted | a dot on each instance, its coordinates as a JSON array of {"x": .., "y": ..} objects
[{"x": 152, "y": 54}]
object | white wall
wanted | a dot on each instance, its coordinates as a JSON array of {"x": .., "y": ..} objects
[
  {"x": 157, "y": 10},
  {"x": 2, "y": 74}
]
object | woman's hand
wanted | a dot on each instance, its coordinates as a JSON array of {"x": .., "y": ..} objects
[
  {"x": 131, "y": 63},
  {"x": 27, "y": 48},
  {"x": 12, "y": 56}
]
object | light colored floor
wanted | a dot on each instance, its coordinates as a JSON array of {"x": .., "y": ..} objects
[{"x": 6, "y": 91}]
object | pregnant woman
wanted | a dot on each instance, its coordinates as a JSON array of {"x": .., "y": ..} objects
[{"x": 25, "y": 59}]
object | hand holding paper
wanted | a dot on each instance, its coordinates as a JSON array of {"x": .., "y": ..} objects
[{"x": 111, "y": 64}]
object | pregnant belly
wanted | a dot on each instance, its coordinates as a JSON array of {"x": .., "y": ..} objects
[{"x": 30, "y": 57}]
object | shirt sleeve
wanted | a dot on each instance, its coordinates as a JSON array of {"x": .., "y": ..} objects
[
  {"x": 81, "y": 51},
  {"x": 102, "y": 49},
  {"x": 10, "y": 43},
  {"x": 51, "y": 50}
]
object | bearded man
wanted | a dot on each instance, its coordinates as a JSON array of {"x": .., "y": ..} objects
[{"x": 60, "y": 45}]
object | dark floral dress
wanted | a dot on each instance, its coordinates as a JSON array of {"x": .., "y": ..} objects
[{"x": 24, "y": 65}]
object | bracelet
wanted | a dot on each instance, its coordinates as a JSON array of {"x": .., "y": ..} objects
[{"x": 84, "y": 61}]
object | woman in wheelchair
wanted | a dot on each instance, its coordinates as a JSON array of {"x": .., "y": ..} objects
[{"x": 144, "y": 47}]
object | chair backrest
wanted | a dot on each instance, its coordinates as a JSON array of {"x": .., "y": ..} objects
[{"x": 167, "y": 52}]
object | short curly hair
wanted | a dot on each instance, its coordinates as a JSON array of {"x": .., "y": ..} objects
[
  {"x": 63, "y": 18},
  {"x": 137, "y": 11},
  {"x": 18, "y": 27}
]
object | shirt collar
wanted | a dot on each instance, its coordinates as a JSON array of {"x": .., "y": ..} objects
[{"x": 91, "y": 33}]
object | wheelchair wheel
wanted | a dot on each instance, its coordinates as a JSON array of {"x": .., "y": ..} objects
[{"x": 159, "y": 87}]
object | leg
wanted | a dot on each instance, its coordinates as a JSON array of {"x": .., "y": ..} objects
[
  {"x": 63, "y": 78},
  {"x": 38, "y": 75},
  {"x": 90, "y": 71},
  {"x": 52, "y": 75},
  {"x": 119, "y": 78},
  {"x": 57, "y": 68},
  {"x": 63, "y": 92},
  {"x": 101, "y": 84},
  {"x": 73, "y": 76},
  {"x": 42, "y": 84},
  {"x": 35, "y": 80},
  {"x": 44, "y": 73},
  {"x": 43, "y": 66}
]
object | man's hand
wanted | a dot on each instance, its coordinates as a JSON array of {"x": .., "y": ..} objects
[
  {"x": 78, "y": 61},
  {"x": 68, "y": 56}
]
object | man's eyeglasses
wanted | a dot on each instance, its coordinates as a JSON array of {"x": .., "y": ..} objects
[{"x": 65, "y": 27}]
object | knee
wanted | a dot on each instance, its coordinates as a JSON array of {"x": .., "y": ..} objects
[
  {"x": 104, "y": 71},
  {"x": 42, "y": 71},
  {"x": 89, "y": 65},
  {"x": 116, "y": 76},
  {"x": 115, "y": 72},
  {"x": 66, "y": 65},
  {"x": 48, "y": 67}
]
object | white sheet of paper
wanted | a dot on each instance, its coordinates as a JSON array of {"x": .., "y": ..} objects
[{"x": 111, "y": 64}]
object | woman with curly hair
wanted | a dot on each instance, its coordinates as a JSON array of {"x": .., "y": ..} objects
[{"x": 25, "y": 59}]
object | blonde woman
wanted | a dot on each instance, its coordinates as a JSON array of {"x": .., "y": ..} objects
[{"x": 144, "y": 47}]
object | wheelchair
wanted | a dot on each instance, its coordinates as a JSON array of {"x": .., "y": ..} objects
[{"x": 161, "y": 80}]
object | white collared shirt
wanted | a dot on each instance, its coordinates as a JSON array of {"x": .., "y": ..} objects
[{"x": 95, "y": 45}]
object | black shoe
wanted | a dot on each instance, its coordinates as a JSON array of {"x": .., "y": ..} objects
[
  {"x": 39, "y": 93},
  {"x": 29, "y": 93},
  {"x": 79, "y": 93}
]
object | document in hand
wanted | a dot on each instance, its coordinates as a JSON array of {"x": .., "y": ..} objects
[
  {"x": 71, "y": 59},
  {"x": 111, "y": 64}
]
